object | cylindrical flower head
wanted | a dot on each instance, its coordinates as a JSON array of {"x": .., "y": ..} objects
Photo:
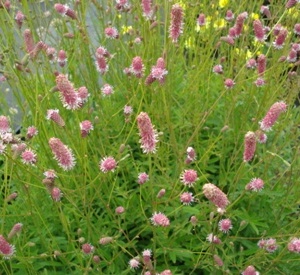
[
  {"x": 259, "y": 31},
  {"x": 143, "y": 178},
  {"x": 218, "y": 261},
  {"x": 147, "y": 9},
  {"x": 62, "y": 154},
  {"x": 37, "y": 48},
  {"x": 69, "y": 96},
  {"x": 111, "y": 33},
  {"x": 294, "y": 245},
  {"x": 15, "y": 230},
  {"x": 55, "y": 116},
  {"x": 261, "y": 64},
  {"x": 101, "y": 65},
  {"x": 85, "y": 127},
  {"x": 61, "y": 58},
  {"x": 56, "y": 194},
  {"x": 291, "y": 3},
  {"x": 297, "y": 28},
  {"x": 272, "y": 115},
  {"x": 147, "y": 133},
  {"x": 215, "y": 195},
  {"x": 28, "y": 39},
  {"x": 19, "y": 18},
  {"x": 187, "y": 198},
  {"x": 6, "y": 250},
  {"x": 87, "y": 248},
  {"x": 265, "y": 11},
  {"x": 249, "y": 146},
  {"x": 160, "y": 219},
  {"x": 108, "y": 164},
  {"x": 225, "y": 225},
  {"x": 280, "y": 39},
  {"x": 105, "y": 240},
  {"x": 31, "y": 132},
  {"x": 239, "y": 24},
  {"x": 201, "y": 21},
  {"x": 250, "y": 270},
  {"x": 4, "y": 124},
  {"x": 29, "y": 157},
  {"x": 229, "y": 15},
  {"x": 137, "y": 67},
  {"x": 176, "y": 27}
]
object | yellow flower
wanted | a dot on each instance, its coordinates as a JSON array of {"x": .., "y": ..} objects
[
  {"x": 223, "y": 3},
  {"x": 126, "y": 29},
  {"x": 190, "y": 43},
  {"x": 254, "y": 16},
  {"x": 219, "y": 23},
  {"x": 182, "y": 4},
  {"x": 293, "y": 12}
]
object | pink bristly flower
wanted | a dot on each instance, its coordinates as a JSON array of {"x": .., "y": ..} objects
[
  {"x": 218, "y": 69},
  {"x": 31, "y": 132},
  {"x": 37, "y": 48},
  {"x": 189, "y": 177},
  {"x": 191, "y": 155},
  {"x": 158, "y": 72},
  {"x": 4, "y": 124},
  {"x": 213, "y": 239},
  {"x": 255, "y": 184},
  {"x": 19, "y": 18},
  {"x": 280, "y": 39},
  {"x": 127, "y": 110},
  {"x": 69, "y": 96},
  {"x": 176, "y": 27},
  {"x": 269, "y": 245},
  {"x": 56, "y": 194},
  {"x": 62, "y": 58},
  {"x": 28, "y": 39},
  {"x": 147, "y": 9},
  {"x": 107, "y": 90},
  {"x": 250, "y": 270},
  {"x": 265, "y": 11},
  {"x": 137, "y": 67},
  {"x": 161, "y": 193},
  {"x": 291, "y": 3},
  {"x": 83, "y": 95},
  {"x": 259, "y": 82},
  {"x": 11, "y": 197},
  {"x": 227, "y": 39},
  {"x": 111, "y": 33},
  {"x": 292, "y": 56},
  {"x": 239, "y": 23},
  {"x": 232, "y": 33},
  {"x": 229, "y": 15},
  {"x": 229, "y": 83},
  {"x": 261, "y": 64},
  {"x": 147, "y": 255},
  {"x": 215, "y": 195},
  {"x": 187, "y": 198},
  {"x": 143, "y": 178},
  {"x": 201, "y": 21},
  {"x": 87, "y": 249},
  {"x": 85, "y": 127},
  {"x": 259, "y": 31},
  {"x": 194, "y": 220},
  {"x": 272, "y": 115},
  {"x": 261, "y": 137},
  {"x": 296, "y": 46},
  {"x": 166, "y": 272},
  {"x": 101, "y": 65},
  {"x": 64, "y": 10},
  {"x": 55, "y": 116},
  {"x": 62, "y": 154},
  {"x": 160, "y": 219},
  {"x": 120, "y": 210},
  {"x": 108, "y": 164},
  {"x": 105, "y": 240},
  {"x": 16, "y": 229},
  {"x": 297, "y": 28},
  {"x": 51, "y": 54},
  {"x": 102, "y": 52},
  {"x": 29, "y": 157},
  {"x": 6, "y": 250},
  {"x": 294, "y": 245},
  {"x": 134, "y": 263},
  {"x": 147, "y": 133},
  {"x": 249, "y": 146},
  {"x": 277, "y": 28},
  {"x": 50, "y": 174},
  {"x": 218, "y": 261},
  {"x": 225, "y": 225}
]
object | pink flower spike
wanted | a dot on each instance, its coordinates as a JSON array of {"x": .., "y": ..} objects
[
  {"x": 15, "y": 230},
  {"x": 239, "y": 24},
  {"x": 225, "y": 225},
  {"x": 261, "y": 64},
  {"x": 28, "y": 39},
  {"x": 291, "y": 3},
  {"x": 187, "y": 198},
  {"x": 147, "y": 9},
  {"x": 255, "y": 185},
  {"x": 201, "y": 21},
  {"x": 176, "y": 27},
  {"x": 215, "y": 195},
  {"x": 56, "y": 194},
  {"x": 62, "y": 58},
  {"x": 160, "y": 219},
  {"x": 292, "y": 56},
  {"x": 62, "y": 154},
  {"x": 265, "y": 11},
  {"x": 294, "y": 245},
  {"x": 50, "y": 174},
  {"x": 297, "y": 28},
  {"x": 250, "y": 270},
  {"x": 31, "y": 132},
  {"x": 259, "y": 82},
  {"x": 218, "y": 261},
  {"x": 127, "y": 110},
  {"x": 158, "y": 72},
  {"x": 229, "y": 83},
  {"x": 189, "y": 177},
  {"x": 85, "y": 127},
  {"x": 19, "y": 18},
  {"x": 280, "y": 39},
  {"x": 249, "y": 146},
  {"x": 259, "y": 31},
  {"x": 272, "y": 115},
  {"x": 87, "y": 249},
  {"x": 101, "y": 65},
  {"x": 111, "y": 33},
  {"x": 143, "y": 178},
  {"x": 29, "y": 157},
  {"x": 218, "y": 69},
  {"x": 55, "y": 116},
  {"x": 134, "y": 263},
  {"x": 166, "y": 272},
  {"x": 147, "y": 133},
  {"x": 108, "y": 164},
  {"x": 270, "y": 245},
  {"x": 4, "y": 124},
  {"x": 161, "y": 193},
  {"x": 107, "y": 90},
  {"x": 6, "y": 250},
  {"x": 147, "y": 255},
  {"x": 261, "y": 137},
  {"x": 213, "y": 239},
  {"x": 229, "y": 15},
  {"x": 137, "y": 67}
]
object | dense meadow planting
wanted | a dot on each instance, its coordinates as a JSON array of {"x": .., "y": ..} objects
[{"x": 149, "y": 137}]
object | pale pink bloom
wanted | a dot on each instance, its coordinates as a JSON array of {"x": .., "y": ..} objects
[
  {"x": 261, "y": 64},
  {"x": 225, "y": 225},
  {"x": 160, "y": 219},
  {"x": 250, "y": 270},
  {"x": 201, "y": 21},
  {"x": 277, "y": 28},
  {"x": 28, "y": 39},
  {"x": 147, "y": 255},
  {"x": 215, "y": 195},
  {"x": 19, "y": 18},
  {"x": 218, "y": 69},
  {"x": 105, "y": 240},
  {"x": 147, "y": 133},
  {"x": 229, "y": 15},
  {"x": 87, "y": 249},
  {"x": 4, "y": 124},
  {"x": 147, "y": 9},
  {"x": 137, "y": 40},
  {"x": 37, "y": 48},
  {"x": 55, "y": 116},
  {"x": 294, "y": 245},
  {"x": 143, "y": 178},
  {"x": 50, "y": 174},
  {"x": 265, "y": 11},
  {"x": 297, "y": 29},
  {"x": 69, "y": 96},
  {"x": 51, "y": 53},
  {"x": 191, "y": 153},
  {"x": 166, "y": 272},
  {"x": 161, "y": 193},
  {"x": 96, "y": 259},
  {"x": 272, "y": 115},
  {"x": 259, "y": 31},
  {"x": 15, "y": 230},
  {"x": 85, "y": 127},
  {"x": 280, "y": 39},
  {"x": 31, "y": 132},
  {"x": 108, "y": 164},
  {"x": 18, "y": 148},
  {"x": 29, "y": 157},
  {"x": 83, "y": 95},
  {"x": 120, "y": 210},
  {"x": 101, "y": 65},
  {"x": 127, "y": 110},
  {"x": 102, "y": 52},
  {"x": 62, "y": 154},
  {"x": 232, "y": 33},
  {"x": 189, "y": 177},
  {"x": 292, "y": 56},
  {"x": 213, "y": 239},
  {"x": 259, "y": 82},
  {"x": 228, "y": 39},
  {"x": 194, "y": 220},
  {"x": 7, "y": 138},
  {"x": 111, "y": 33},
  {"x": 261, "y": 137},
  {"x": 187, "y": 198},
  {"x": 249, "y": 146},
  {"x": 296, "y": 46},
  {"x": 62, "y": 58},
  {"x": 65, "y": 10},
  {"x": 176, "y": 27},
  {"x": 122, "y": 5},
  {"x": 56, "y": 194},
  {"x": 229, "y": 83},
  {"x": 134, "y": 263},
  {"x": 6, "y": 250},
  {"x": 255, "y": 184},
  {"x": 158, "y": 72},
  {"x": 239, "y": 23},
  {"x": 269, "y": 245},
  {"x": 107, "y": 90},
  {"x": 218, "y": 261},
  {"x": 137, "y": 67},
  {"x": 291, "y": 3}
]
